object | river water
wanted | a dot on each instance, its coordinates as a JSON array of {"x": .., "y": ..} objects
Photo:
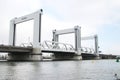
[{"x": 60, "y": 70}]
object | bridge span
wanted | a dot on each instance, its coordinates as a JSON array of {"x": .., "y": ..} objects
[
  {"x": 14, "y": 49},
  {"x": 61, "y": 51},
  {"x": 34, "y": 51}
]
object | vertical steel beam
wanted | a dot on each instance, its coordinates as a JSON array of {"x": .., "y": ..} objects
[
  {"x": 96, "y": 45},
  {"x": 55, "y": 36},
  {"x": 37, "y": 30},
  {"x": 78, "y": 39},
  {"x": 12, "y": 33}
]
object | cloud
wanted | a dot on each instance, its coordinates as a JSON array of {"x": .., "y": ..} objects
[{"x": 90, "y": 14}]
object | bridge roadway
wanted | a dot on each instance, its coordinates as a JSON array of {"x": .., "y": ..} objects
[
  {"x": 18, "y": 49},
  {"x": 15, "y": 49},
  {"x": 22, "y": 50}
]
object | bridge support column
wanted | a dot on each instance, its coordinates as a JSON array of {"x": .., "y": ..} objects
[
  {"x": 78, "y": 43},
  {"x": 97, "y": 58},
  {"x": 78, "y": 55},
  {"x": 37, "y": 54}
]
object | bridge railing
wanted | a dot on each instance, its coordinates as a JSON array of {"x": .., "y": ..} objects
[
  {"x": 52, "y": 45},
  {"x": 57, "y": 46},
  {"x": 26, "y": 44},
  {"x": 87, "y": 50}
]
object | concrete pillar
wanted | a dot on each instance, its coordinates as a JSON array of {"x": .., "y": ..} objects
[
  {"x": 78, "y": 43},
  {"x": 55, "y": 36},
  {"x": 77, "y": 38},
  {"x": 37, "y": 30},
  {"x": 12, "y": 33},
  {"x": 96, "y": 47}
]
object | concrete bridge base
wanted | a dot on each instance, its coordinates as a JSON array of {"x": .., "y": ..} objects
[
  {"x": 63, "y": 56},
  {"x": 24, "y": 57},
  {"x": 77, "y": 57},
  {"x": 36, "y": 55},
  {"x": 97, "y": 58},
  {"x": 86, "y": 56}
]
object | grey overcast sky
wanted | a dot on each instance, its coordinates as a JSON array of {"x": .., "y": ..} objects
[{"x": 100, "y": 17}]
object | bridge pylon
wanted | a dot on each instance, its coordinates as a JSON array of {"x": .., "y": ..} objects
[
  {"x": 36, "y": 53},
  {"x": 77, "y": 31},
  {"x": 95, "y": 38}
]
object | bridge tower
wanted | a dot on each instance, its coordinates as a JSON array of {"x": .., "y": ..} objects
[
  {"x": 95, "y": 38},
  {"x": 77, "y": 31},
  {"x": 36, "y": 54}
]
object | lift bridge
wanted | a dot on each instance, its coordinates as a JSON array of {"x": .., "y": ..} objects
[{"x": 33, "y": 51}]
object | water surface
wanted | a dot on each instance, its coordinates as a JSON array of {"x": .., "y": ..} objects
[{"x": 60, "y": 70}]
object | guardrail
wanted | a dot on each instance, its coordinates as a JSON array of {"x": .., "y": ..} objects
[
  {"x": 56, "y": 45},
  {"x": 27, "y": 44},
  {"x": 52, "y": 45}
]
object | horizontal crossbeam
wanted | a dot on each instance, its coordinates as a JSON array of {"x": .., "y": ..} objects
[{"x": 65, "y": 31}]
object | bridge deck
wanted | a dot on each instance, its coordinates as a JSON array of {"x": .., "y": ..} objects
[
  {"x": 57, "y": 51},
  {"x": 18, "y": 49},
  {"x": 7, "y": 48},
  {"x": 15, "y": 49}
]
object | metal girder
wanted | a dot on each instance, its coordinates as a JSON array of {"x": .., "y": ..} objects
[
  {"x": 65, "y": 31},
  {"x": 36, "y": 16},
  {"x": 27, "y": 17},
  {"x": 88, "y": 37},
  {"x": 95, "y": 37},
  {"x": 76, "y": 30}
]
